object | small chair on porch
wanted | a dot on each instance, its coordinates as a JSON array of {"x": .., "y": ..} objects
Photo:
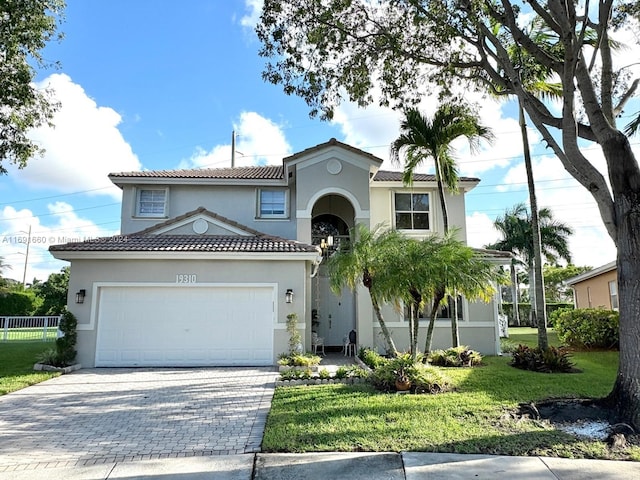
[
  {"x": 350, "y": 344},
  {"x": 317, "y": 343}
]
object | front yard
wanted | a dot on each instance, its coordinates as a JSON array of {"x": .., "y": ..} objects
[
  {"x": 16, "y": 365},
  {"x": 476, "y": 418}
]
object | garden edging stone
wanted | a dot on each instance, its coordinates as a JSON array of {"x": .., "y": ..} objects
[{"x": 50, "y": 368}]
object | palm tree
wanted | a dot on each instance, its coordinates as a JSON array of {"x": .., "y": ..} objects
[
  {"x": 454, "y": 269},
  {"x": 422, "y": 138},
  {"x": 513, "y": 235},
  {"x": 368, "y": 260},
  {"x": 518, "y": 237}
]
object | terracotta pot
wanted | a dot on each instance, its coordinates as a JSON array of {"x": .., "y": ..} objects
[{"x": 403, "y": 385}]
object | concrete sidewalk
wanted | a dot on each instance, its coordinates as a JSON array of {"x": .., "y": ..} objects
[{"x": 338, "y": 466}]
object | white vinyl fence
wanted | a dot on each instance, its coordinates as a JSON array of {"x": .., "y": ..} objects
[{"x": 42, "y": 329}]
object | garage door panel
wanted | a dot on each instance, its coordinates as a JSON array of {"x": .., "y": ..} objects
[{"x": 185, "y": 326}]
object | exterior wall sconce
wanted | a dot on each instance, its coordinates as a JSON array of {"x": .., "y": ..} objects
[
  {"x": 80, "y": 295},
  {"x": 288, "y": 297}
]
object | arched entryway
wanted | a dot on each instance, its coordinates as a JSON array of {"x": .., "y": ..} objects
[{"x": 333, "y": 316}]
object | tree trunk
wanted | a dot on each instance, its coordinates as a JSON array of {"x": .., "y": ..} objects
[
  {"x": 443, "y": 201},
  {"x": 455, "y": 335},
  {"x": 514, "y": 294},
  {"x": 625, "y": 182},
  {"x": 437, "y": 298},
  {"x": 537, "y": 302},
  {"x": 391, "y": 347}
]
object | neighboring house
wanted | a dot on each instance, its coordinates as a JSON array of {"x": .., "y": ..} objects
[
  {"x": 597, "y": 288},
  {"x": 211, "y": 261}
]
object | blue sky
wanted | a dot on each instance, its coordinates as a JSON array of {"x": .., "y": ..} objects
[{"x": 152, "y": 84}]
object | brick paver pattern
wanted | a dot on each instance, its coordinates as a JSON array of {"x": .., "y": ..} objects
[{"x": 105, "y": 415}]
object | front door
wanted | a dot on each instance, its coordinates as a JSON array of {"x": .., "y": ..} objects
[{"x": 336, "y": 313}]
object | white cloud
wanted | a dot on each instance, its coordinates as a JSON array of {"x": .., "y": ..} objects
[
  {"x": 250, "y": 20},
  {"x": 259, "y": 141},
  {"x": 480, "y": 230},
  {"x": 82, "y": 149},
  {"x": 66, "y": 226},
  {"x": 571, "y": 204}
]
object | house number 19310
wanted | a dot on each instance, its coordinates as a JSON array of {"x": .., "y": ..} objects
[{"x": 186, "y": 278}]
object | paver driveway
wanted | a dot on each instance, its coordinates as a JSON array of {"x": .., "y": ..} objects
[{"x": 105, "y": 415}]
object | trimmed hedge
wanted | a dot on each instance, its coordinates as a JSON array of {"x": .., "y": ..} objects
[
  {"x": 588, "y": 328},
  {"x": 18, "y": 303}
]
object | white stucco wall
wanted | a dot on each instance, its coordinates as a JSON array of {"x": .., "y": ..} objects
[{"x": 87, "y": 274}]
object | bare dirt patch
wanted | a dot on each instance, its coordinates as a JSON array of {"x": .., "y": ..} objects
[{"x": 586, "y": 418}]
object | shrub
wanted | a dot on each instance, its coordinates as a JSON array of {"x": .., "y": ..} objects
[
  {"x": 508, "y": 346},
  {"x": 461, "y": 356},
  {"x": 18, "y": 303},
  {"x": 295, "y": 339},
  {"x": 324, "y": 374},
  {"x": 551, "y": 360},
  {"x": 588, "y": 328},
  {"x": 424, "y": 378},
  {"x": 371, "y": 358},
  {"x": 299, "y": 360},
  {"x": 66, "y": 345},
  {"x": 296, "y": 374}
]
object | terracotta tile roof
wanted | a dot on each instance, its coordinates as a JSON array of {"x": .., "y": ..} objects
[
  {"x": 388, "y": 176},
  {"x": 187, "y": 243},
  {"x": 266, "y": 172}
]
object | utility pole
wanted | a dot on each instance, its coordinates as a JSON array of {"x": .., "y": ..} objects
[
  {"x": 233, "y": 148},
  {"x": 26, "y": 260}
]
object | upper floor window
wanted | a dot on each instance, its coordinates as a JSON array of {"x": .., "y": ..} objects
[
  {"x": 613, "y": 295},
  {"x": 272, "y": 203},
  {"x": 412, "y": 211},
  {"x": 151, "y": 202}
]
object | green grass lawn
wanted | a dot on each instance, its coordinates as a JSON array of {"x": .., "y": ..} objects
[
  {"x": 475, "y": 418},
  {"x": 16, "y": 365}
]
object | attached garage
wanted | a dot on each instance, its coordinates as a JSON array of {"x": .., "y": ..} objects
[{"x": 195, "y": 325}]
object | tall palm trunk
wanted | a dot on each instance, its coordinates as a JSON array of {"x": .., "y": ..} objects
[
  {"x": 443, "y": 201},
  {"x": 391, "y": 347},
  {"x": 537, "y": 303},
  {"x": 437, "y": 298}
]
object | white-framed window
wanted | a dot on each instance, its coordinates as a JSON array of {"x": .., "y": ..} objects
[
  {"x": 151, "y": 202},
  {"x": 411, "y": 211},
  {"x": 272, "y": 203},
  {"x": 613, "y": 295}
]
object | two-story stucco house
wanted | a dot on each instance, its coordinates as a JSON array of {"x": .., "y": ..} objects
[{"x": 210, "y": 262}]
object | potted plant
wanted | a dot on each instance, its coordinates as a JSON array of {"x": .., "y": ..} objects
[{"x": 403, "y": 383}]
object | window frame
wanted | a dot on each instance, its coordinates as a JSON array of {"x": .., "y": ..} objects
[
  {"x": 269, "y": 216},
  {"x": 137, "y": 207},
  {"x": 412, "y": 212},
  {"x": 613, "y": 295}
]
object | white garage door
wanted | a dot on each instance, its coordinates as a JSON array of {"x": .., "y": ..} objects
[{"x": 185, "y": 326}]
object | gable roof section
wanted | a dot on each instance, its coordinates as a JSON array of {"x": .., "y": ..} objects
[
  {"x": 153, "y": 240},
  {"x": 332, "y": 143},
  {"x": 389, "y": 176},
  {"x": 606, "y": 268},
  {"x": 187, "y": 243},
  {"x": 266, "y": 172},
  {"x": 200, "y": 212}
]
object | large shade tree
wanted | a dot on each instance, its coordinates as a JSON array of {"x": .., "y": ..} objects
[
  {"x": 25, "y": 28},
  {"x": 329, "y": 50}
]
